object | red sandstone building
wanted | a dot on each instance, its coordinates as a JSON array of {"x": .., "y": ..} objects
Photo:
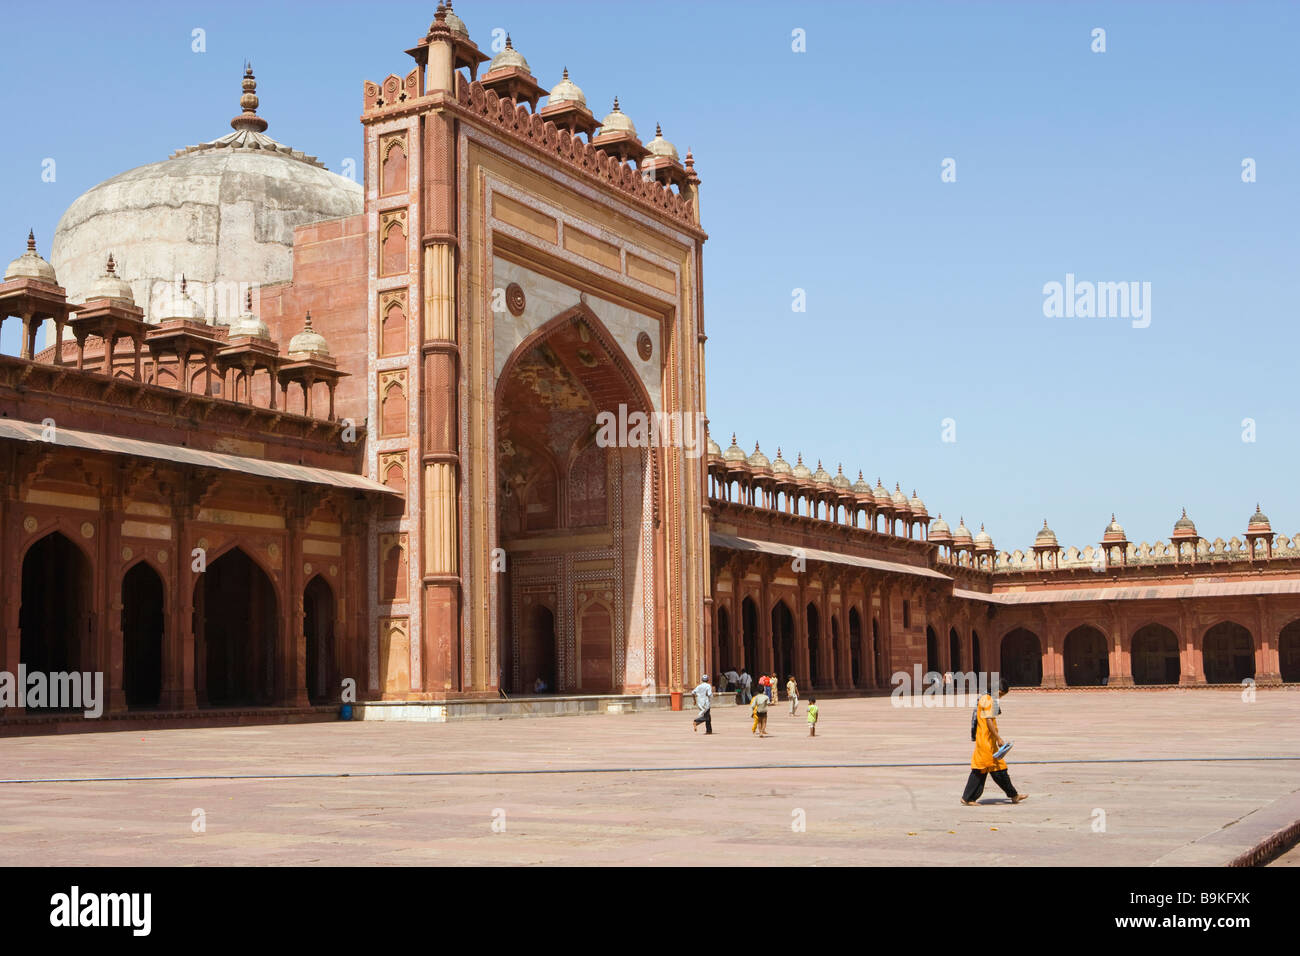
[{"x": 336, "y": 433}]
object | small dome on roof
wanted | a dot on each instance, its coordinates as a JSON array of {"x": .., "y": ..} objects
[
  {"x": 661, "y": 147},
  {"x": 1046, "y": 538},
  {"x": 821, "y": 475},
  {"x": 180, "y": 306},
  {"x": 110, "y": 286},
  {"x": 780, "y": 466},
  {"x": 509, "y": 58},
  {"x": 758, "y": 461},
  {"x": 862, "y": 486},
  {"x": 566, "y": 91},
  {"x": 801, "y": 470},
  {"x": 962, "y": 534},
  {"x": 1259, "y": 521},
  {"x": 899, "y": 500},
  {"x": 839, "y": 481},
  {"x": 30, "y": 265},
  {"x": 617, "y": 122},
  {"x": 715, "y": 450},
  {"x": 1114, "y": 531},
  {"x": 983, "y": 541},
  {"x": 1184, "y": 527},
  {"x": 308, "y": 341},
  {"x": 249, "y": 324},
  {"x": 881, "y": 495},
  {"x": 455, "y": 23},
  {"x": 939, "y": 531},
  {"x": 917, "y": 505},
  {"x": 735, "y": 452}
]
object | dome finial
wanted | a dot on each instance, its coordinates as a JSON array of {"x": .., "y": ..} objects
[
  {"x": 508, "y": 46},
  {"x": 248, "y": 299},
  {"x": 306, "y": 321},
  {"x": 658, "y": 130},
  {"x": 566, "y": 72},
  {"x": 111, "y": 268},
  {"x": 616, "y": 109},
  {"x": 31, "y": 240},
  {"x": 248, "y": 119}
]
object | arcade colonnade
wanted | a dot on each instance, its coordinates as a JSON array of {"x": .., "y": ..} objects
[
  {"x": 185, "y": 588},
  {"x": 843, "y": 629}
]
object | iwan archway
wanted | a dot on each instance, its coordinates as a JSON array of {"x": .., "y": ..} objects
[{"x": 576, "y": 513}]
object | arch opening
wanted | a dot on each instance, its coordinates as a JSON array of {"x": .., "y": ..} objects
[{"x": 143, "y": 610}]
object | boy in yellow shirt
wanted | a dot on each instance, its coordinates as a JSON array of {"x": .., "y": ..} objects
[
  {"x": 812, "y": 716},
  {"x": 760, "y": 714}
]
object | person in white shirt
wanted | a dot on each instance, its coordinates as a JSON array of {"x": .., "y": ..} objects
[
  {"x": 745, "y": 682},
  {"x": 703, "y": 699}
]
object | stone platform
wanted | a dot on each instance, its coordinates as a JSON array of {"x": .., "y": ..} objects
[{"x": 1122, "y": 778}]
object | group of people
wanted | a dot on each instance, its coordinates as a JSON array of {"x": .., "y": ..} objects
[
  {"x": 986, "y": 760},
  {"x": 759, "y": 703}
]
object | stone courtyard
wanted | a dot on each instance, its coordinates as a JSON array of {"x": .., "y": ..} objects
[{"x": 1175, "y": 777}]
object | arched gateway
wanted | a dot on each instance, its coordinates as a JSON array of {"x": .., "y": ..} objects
[{"x": 575, "y": 511}]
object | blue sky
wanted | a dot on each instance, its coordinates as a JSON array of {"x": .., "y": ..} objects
[{"x": 821, "y": 172}]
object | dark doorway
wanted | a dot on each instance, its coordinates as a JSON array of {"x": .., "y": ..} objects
[
  {"x": 1087, "y": 661},
  {"x": 722, "y": 642},
  {"x": 1154, "y": 656},
  {"x": 1229, "y": 654},
  {"x": 318, "y": 627},
  {"x": 833, "y": 667},
  {"x": 782, "y": 640},
  {"x": 54, "y": 619},
  {"x": 954, "y": 650},
  {"x": 878, "y": 654},
  {"x": 976, "y": 658},
  {"x": 234, "y": 646},
  {"x": 1288, "y": 652},
  {"x": 855, "y": 647},
  {"x": 814, "y": 635},
  {"x": 932, "y": 652},
  {"x": 1022, "y": 658},
  {"x": 749, "y": 637},
  {"x": 142, "y": 636},
  {"x": 538, "y": 655}
]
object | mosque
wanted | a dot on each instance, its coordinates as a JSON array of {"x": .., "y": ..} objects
[{"x": 284, "y": 433}]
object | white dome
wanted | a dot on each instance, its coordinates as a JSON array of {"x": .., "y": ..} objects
[
  {"x": 509, "y": 58},
  {"x": 616, "y": 121},
  {"x": 661, "y": 147},
  {"x": 110, "y": 286},
  {"x": 308, "y": 342},
  {"x": 221, "y": 213},
  {"x": 30, "y": 265},
  {"x": 566, "y": 91}
]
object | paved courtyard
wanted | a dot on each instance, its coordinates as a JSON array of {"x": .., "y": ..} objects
[{"x": 472, "y": 793}]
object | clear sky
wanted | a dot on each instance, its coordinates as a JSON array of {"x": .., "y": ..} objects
[{"x": 822, "y": 172}]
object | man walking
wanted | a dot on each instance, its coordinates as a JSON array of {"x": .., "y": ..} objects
[
  {"x": 745, "y": 683},
  {"x": 703, "y": 699},
  {"x": 984, "y": 760}
]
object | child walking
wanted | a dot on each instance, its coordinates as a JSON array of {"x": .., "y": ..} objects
[
  {"x": 760, "y": 714},
  {"x": 812, "y": 716}
]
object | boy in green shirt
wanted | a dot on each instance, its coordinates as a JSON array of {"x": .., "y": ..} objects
[{"x": 812, "y": 716}]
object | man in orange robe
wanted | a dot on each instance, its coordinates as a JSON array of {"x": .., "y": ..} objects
[{"x": 982, "y": 761}]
